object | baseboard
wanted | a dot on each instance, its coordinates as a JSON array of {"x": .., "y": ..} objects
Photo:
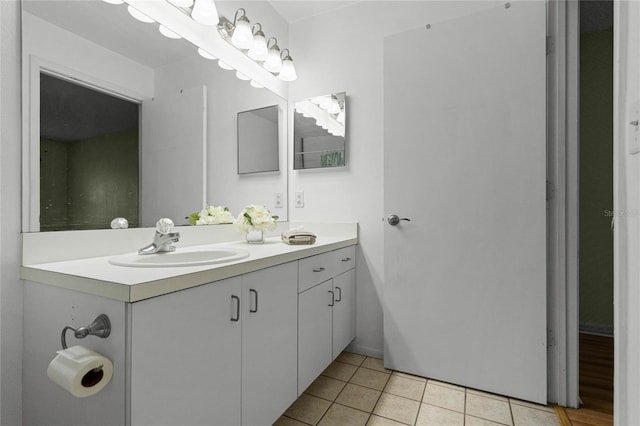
[
  {"x": 364, "y": 350},
  {"x": 598, "y": 329}
]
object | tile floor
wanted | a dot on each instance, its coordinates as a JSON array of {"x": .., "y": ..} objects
[{"x": 358, "y": 390}]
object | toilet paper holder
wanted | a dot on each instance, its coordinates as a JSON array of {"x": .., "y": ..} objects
[{"x": 101, "y": 327}]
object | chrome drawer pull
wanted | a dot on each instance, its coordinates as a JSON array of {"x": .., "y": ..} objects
[
  {"x": 346, "y": 259},
  {"x": 339, "y": 299},
  {"x": 333, "y": 299},
  {"x": 237, "y": 299},
  {"x": 320, "y": 269},
  {"x": 255, "y": 293}
]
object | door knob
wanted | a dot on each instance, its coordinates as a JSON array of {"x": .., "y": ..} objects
[{"x": 393, "y": 219}]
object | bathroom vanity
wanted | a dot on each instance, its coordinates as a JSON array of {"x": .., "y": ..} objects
[{"x": 223, "y": 344}]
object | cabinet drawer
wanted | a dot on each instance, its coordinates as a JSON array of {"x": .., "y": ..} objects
[
  {"x": 317, "y": 269},
  {"x": 345, "y": 259}
]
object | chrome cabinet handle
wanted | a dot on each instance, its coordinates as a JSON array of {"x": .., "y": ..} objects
[
  {"x": 333, "y": 299},
  {"x": 339, "y": 294},
  {"x": 346, "y": 259},
  {"x": 237, "y": 299},
  {"x": 393, "y": 219},
  {"x": 253, "y": 311},
  {"x": 320, "y": 269}
]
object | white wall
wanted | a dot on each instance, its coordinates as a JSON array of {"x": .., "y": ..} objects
[
  {"x": 10, "y": 248},
  {"x": 343, "y": 51},
  {"x": 627, "y": 208}
]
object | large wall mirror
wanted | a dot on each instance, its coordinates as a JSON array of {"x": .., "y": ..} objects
[
  {"x": 320, "y": 132},
  {"x": 86, "y": 63}
]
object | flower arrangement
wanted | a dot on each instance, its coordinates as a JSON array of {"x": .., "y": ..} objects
[
  {"x": 211, "y": 215},
  {"x": 255, "y": 217}
]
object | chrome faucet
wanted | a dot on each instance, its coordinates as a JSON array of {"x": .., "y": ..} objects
[{"x": 162, "y": 238}]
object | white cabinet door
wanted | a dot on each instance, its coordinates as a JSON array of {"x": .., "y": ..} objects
[
  {"x": 269, "y": 343},
  {"x": 344, "y": 311},
  {"x": 314, "y": 332},
  {"x": 185, "y": 357}
]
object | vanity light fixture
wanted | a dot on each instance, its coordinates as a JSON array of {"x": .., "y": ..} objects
[
  {"x": 205, "y": 12},
  {"x": 259, "y": 50},
  {"x": 242, "y": 37},
  {"x": 114, "y": 1},
  {"x": 288, "y": 70},
  {"x": 168, "y": 33},
  {"x": 242, "y": 76},
  {"x": 274, "y": 61},
  {"x": 334, "y": 106},
  {"x": 255, "y": 84},
  {"x": 139, "y": 15}
]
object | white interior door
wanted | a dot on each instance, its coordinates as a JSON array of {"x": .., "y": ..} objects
[
  {"x": 465, "y": 158},
  {"x": 174, "y": 131}
]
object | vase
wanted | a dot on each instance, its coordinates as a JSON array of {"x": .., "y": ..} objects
[{"x": 255, "y": 236}]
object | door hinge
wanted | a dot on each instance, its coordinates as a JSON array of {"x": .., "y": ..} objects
[
  {"x": 551, "y": 191},
  {"x": 549, "y": 46}
]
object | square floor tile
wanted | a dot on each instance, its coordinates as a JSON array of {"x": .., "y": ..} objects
[
  {"x": 487, "y": 394},
  {"x": 286, "y": 421},
  {"x": 370, "y": 378},
  {"x": 447, "y": 385},
  {"x": 381, "y": 421},
  {"x": 340, "y": 370},
  {"x": 351, "y": 358},
  {"x": 325, "y": 387},
  {"x": 409, "y": 376},
  {"x": 359, "y": 397},
  {"x": 431, "y": 415},
  {"x": 548, "y": 408},
  {"x": 444, "y": 397},
  {"x": 375, "y": 364},
  {"x": 476, "y": 421},
  {"x": 339, "y": 415},
  {"x": 488, "y": 408},
  {"x": 401, "y": 386},
  {"x": 394, "y": 407},
  {"x": 308, "y": 409},
  {"x": 525, "y": 416}
]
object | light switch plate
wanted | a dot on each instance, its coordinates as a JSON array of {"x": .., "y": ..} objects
[
  {"x": 633, "y": 128},
  {"x": 299, "y": 197}
]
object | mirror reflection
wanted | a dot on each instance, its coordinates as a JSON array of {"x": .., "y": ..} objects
[
  {"x": 320, "y": 132},
  {"x": 99, "y": 46},
  {"x": 258, "y": 140}
]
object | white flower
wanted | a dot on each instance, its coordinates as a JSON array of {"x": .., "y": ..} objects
[
  {"x": 211, "y": 215},
  {"x": 257, "y": 217}
]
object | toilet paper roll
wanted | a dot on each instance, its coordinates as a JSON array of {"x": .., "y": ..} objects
[{"x": 80, "y": 371}]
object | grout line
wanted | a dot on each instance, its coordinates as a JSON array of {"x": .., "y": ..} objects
[
  {"x": 513, "y": 421},
  {"x": 464, "y": 409},
  {"x": 297, "y": 420}
]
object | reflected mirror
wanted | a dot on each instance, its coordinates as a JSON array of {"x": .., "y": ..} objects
[
  {"x": 100, "y": 46},
  {"x": 258, "y": 140},
  {"x": 320, "y": 132}
]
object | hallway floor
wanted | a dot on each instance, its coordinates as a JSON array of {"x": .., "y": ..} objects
[{"x": 358, "y": 390}]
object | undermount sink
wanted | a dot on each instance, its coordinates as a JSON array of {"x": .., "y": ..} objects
[{"x": 184, "y": 257}]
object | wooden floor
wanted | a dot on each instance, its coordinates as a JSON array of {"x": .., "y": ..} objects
[{"x": 596, "y": 382}]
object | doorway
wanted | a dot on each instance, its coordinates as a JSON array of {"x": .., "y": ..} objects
[{"x": 596, "y": 331}]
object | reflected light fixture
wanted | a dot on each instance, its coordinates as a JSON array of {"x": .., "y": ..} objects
[
  {"x": 224, "y": 65},
  {"x": 334, "y": 106},
  {"x": 255, "y": 84},
  {"x": 182, "y": 3},
  {"x": 288, "y": 70},
  {"x": 242, "y": 76},
  {"x": 205, "y": 12},
  {"x": 168, "y": 33},
  {"x": 139, "y": 15},
  {"x": 273, "y": 62},
  {"x": 206, "y": 54},
  {"x": 259, "y": 50},
  {"x": 242, "y": 37},
  {"x": 114, "y": 1}
]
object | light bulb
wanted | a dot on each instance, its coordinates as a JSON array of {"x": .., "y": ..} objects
[
  {"x": 205, "y": 12},
  {"x": 273, "y": 62},
  {"x": 139, "y": 15},
  {"x": 334, "y": 106},
  {"x": 224, "y": 65},
  {"x": 259, "y": 50},
  {"x": 168, "y": 33},
  {"x": 242, "y": 37},
  {"x": 255, "y": 84},
  {"x": 325, "y": 102},
  {"x": 206, "y": 54},
  {"x": 288, "y": 71},
  {"x": 182, "y": 3},
  {"x": 341, "y": 117},
  {"x": 242, "y": 76}
]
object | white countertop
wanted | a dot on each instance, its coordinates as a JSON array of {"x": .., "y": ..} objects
[{"x": 97, "y": 276}]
